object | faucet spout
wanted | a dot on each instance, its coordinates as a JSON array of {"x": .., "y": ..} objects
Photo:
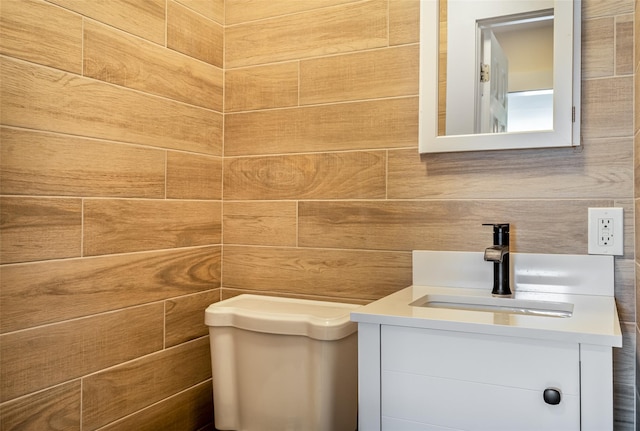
[{"x": 498, "y": 253}]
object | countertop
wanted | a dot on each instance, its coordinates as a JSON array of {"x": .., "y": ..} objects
[
  {"x": 585, "y": 281},
  {"x": 594, "y": 319}
]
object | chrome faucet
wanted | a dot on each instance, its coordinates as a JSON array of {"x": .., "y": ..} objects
[{"x": 498, "y": 253}]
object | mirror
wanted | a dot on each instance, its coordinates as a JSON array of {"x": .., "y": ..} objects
[{"x": 499, "y": 74}]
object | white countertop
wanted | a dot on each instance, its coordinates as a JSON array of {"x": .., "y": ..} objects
[{"x": 594, "y": 319}]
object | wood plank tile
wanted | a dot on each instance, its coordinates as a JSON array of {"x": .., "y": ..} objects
[
  {"x": 192, "y": 176},
  {"x": 143, "y": 382},
  {"x": 260, "y": 223},
  {"x": 387, "y": 123},
  {"x": 336, "y": 273},
  {"x": 625, "y": 288},
  {"x": 189, "y": 410},
  {"x": 536, "y": 225},
  {"x": 212, "y": 9},
  {"x": 42, "y": 33},
  {"x": 41, "y": 357},
  {"x": 239, "y": 11},
  {"x": 404, "y": 21},
  {"x": 599, "y": 8},
  {"x": 57, "y": 408},
  {"x": 59, "y": 290},
  {"x": 381, "y": 73},
  {"x": 350, "y": 27},
  {"x": 194, "y": 35},
  {"x": 261, "y": 87},
  {"x": 598, "y": 47},
  {"x": 145, "y": 19},
  {"x": 35, "y": 163},
  {"x": 230, "y": 293},
  {"x": 121, "y": 226},
  {"x": 39, "y": 98},
  {"x": 37, "y": 229},
  {"x": 607, "y": 107},
  {"x": 116, "y": 57},
  {"x": 184, "y": 317},
  {"x": 624, "y": 45},
  {"x": 314, "y": 176},
  {"x": 601, "y": 167}
]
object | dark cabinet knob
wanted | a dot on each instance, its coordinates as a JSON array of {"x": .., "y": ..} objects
[{"x": 552, "y": 396}]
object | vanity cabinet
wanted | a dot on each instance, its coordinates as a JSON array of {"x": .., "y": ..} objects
[
  {"x": 443, "y": 380},
  {"x": 422, "y": 379},
  {"x": 424, "y": 367}
]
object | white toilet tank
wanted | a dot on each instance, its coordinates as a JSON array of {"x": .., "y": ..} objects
[{"x": 282, "y": 364}]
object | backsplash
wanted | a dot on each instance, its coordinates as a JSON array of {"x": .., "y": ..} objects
[{"x": 115, "y": 206}]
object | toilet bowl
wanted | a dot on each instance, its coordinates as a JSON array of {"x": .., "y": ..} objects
[{"x": 283, "y": 364}]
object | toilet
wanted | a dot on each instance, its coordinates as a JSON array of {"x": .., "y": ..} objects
[{"x": 282, "y": 364}]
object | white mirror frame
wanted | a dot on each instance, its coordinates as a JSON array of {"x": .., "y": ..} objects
[{"x": 566, "y": 86}]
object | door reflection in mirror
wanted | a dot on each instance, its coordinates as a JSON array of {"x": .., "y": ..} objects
[{"x": 511, "y": 57}]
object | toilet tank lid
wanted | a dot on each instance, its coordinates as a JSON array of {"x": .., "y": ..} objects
[{"x": 287, "y": 316}]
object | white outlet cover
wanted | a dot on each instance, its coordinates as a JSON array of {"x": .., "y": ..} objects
[{"x": 616, "y": 246}]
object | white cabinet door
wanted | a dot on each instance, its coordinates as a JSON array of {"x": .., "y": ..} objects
[{"x": 460, "y": 381}]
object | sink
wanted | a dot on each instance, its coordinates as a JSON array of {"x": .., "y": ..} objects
[{"x": 496, "y": 305}]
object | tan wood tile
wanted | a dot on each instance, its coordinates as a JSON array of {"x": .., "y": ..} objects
[
  {"x": 598, "y": 38},
  {"x": 41, "y": 357},
  {"x": 192, "y": 176},
  {"x": 212, "y": 9},
  {"x": 42, "y": 33},
  {"x": 194, "y": 35},
  {"x": 67, "y": 103},
  {"x": 121, "y": 226},
  {"x": 54, "y": 408},
  {"x": 607, "y": 107},
  {"x": 143, "y": 382},
  {"x": 118, "y": 58},
  {"x": 39, "y": 228},
  {"x": 386, "y": 123},
  {"x": 35, "y": 163},
  {"x": 601, "y": 167},
  {"x": 348, "y": 175},
  {"x": 184, "y": 317},
  {"x": 230, "y": 293},
  {"x": 145, "y": 19},
  {"x": 380, "y": 73},
  {"x": 625, "y": 281},
  {"x": 239, "y": 11},
  {"x": 261, "y": 87},
  {"x": 346, "y": 28},
  {"x": 624, "y": 45},
  {"x": 404, "y": 21},
  {"x": 189, "y": 410},
  {"x": 599, "y": 8},
  {"x": 260, "y": 223},
  {"x": 305, "y": 271},
  {"x": 66, "y": 289},
  {"x": 455, "y": 225}
]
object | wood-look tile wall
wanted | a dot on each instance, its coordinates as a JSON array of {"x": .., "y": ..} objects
[
  {"x": 110, "y": 212},
  {"x": 112, "y": 155},
  {"x": 325, "y": 194},
  {"x": 636, "y": 105}
]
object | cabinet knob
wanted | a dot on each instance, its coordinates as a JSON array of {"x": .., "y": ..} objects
[{"x": 552, "y": 396}]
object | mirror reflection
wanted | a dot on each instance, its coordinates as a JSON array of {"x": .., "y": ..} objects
[{"x": 495, "y": 69}]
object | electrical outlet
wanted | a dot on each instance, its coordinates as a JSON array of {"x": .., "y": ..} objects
[{"x": 606, "y": 231}]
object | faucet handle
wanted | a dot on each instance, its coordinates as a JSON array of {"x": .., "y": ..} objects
[{"x": 500, "y": 233}]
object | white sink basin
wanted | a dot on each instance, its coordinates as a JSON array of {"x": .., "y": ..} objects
[{"x": 496, "y": 305}]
